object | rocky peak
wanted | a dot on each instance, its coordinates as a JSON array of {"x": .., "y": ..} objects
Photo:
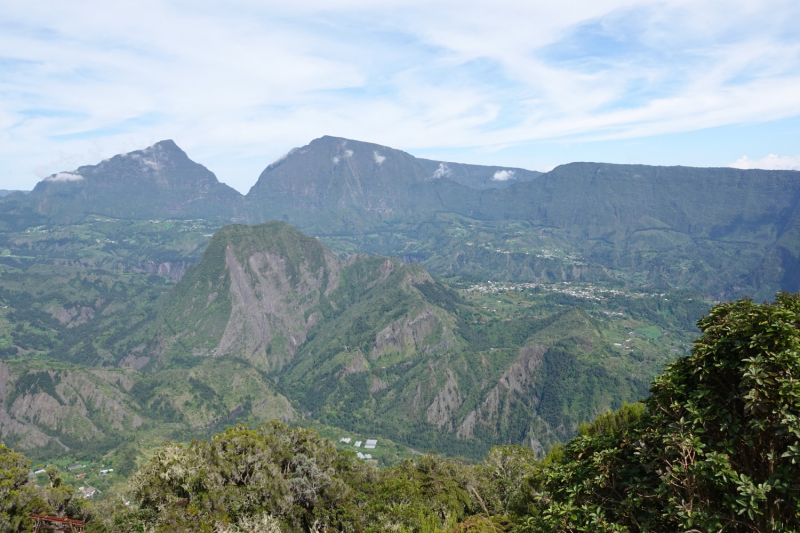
[{"x": 159, "y": 181}]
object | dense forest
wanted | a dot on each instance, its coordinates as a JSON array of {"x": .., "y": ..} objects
[{"x": 715, "y": 447}]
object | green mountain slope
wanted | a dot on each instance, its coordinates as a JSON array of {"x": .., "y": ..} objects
[
  {"x": 53, "y": 408},
  {"x": 368, "y": 343},
  {"x": 722, "y": 231},
  {"x": 270, "y": 323},
  {"x": 371, "y": 345}
]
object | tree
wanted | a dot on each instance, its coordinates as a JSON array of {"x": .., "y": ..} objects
[
  {"x": 718, "y": 447},
  {"x": 242, "y": 473},
  {"x": 16, "y": 495}
]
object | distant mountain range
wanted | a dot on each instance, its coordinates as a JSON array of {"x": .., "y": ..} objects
[{"x": 721, "y": 230}]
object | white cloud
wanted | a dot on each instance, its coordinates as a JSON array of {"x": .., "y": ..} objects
[
  {"x": 280, "y": 158},
  {"x": 378, "y": 157},
  {"x": 64, "y": 176},
  {"x": 770, "y": 162},
  {"x": 348, "y": 153},
  {"x": 442, "y": 172},
  {"x": 503, "y": 175},
  {"x": 144, "y": 161},
  {"x": 335, "y": 159}
]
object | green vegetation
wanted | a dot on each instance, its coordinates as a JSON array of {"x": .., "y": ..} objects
[
  {"x": 713, "y": 448},
  {"x": 125, "y": 325},
  {"x": 272, "y": 324},
  {"x": 19, "y": 497}
]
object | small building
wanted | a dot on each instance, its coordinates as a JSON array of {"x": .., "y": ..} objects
[
  {"x": 88, "y": 492},
  {"x": 358, "y": 444},
  {"x": 106, "y": 471},
  {"x": 360, "y": 455},
  {"x": 346, "y": 440},
  {"x": 75, "y": 467},
  {"x": 370, "y": 444}
]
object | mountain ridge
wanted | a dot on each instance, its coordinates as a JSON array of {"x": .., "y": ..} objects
[{"x": 726, "y": 232}]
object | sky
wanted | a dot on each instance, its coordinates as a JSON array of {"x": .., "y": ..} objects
[{"x": 530, "y": 84}]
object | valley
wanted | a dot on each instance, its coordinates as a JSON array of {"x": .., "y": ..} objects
[{"x": 431, "y": 309}]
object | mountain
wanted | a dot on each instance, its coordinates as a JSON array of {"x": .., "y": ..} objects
[
  {"x": 6, "y": 192},
  {"x": 254, "y": 295},
  {"x": 107, "y": 268},
  {"x": 726, "y": 232},
  {"x": 369, "y": 344},
  {"x": 272, "y": 323},
  {"x": 333, "y": 184},
  {"x": 157, "y": 182},
  {"x": 715, "y": 229},
  {"x": 52, "y": 408}
]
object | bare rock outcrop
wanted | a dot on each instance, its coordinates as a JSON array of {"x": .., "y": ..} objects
[
  {"x": 512, "y": 385},
  {"x": 445, "y": 404},
  {"x": 83, "y": 406},
  {"x": 408, "y": 334},
  {"x": 268, "y": 306}
]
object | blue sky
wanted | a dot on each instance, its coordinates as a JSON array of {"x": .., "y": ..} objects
[{"x": 531, "y": 84}]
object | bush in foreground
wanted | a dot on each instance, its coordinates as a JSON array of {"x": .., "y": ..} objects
[{"x": 717, "y": 447}]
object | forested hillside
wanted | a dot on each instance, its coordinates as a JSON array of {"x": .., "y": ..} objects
[
  {"x": 713, "y": 448},
  {"x": 365, "y": 344}
]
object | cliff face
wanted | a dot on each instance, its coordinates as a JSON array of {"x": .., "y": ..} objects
[
  {"x": 66, "y": 407},
  {"x": 333, "y": 185},
  {"x": 254, "y": 296},
  {"x": 84, "y": 408},
  {"x": 270, "y": 311}
]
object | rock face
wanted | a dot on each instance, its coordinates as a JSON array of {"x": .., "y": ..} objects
[
  {"x": 445, "y": 404},
  {"x": 267, "y": 304},
  {"x": 514, "y": 386},
  {"x": 408, "y": 335},
  {"x": 157, "y": 182},
  {"x": 253, "y": 296},
  {"x": 171, "y": 269},
  {"x": 67, "y": 407}
]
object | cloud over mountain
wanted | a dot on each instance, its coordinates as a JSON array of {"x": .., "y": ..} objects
[
  {"x": 770, "y": 162},
  {"x": 503, "y": 175},
  {"x": 64, "y": 177}
]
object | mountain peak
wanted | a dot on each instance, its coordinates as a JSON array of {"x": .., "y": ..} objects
[
  {"x": 166, "y": 144},
  {"x": 154, "y": 182}
]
